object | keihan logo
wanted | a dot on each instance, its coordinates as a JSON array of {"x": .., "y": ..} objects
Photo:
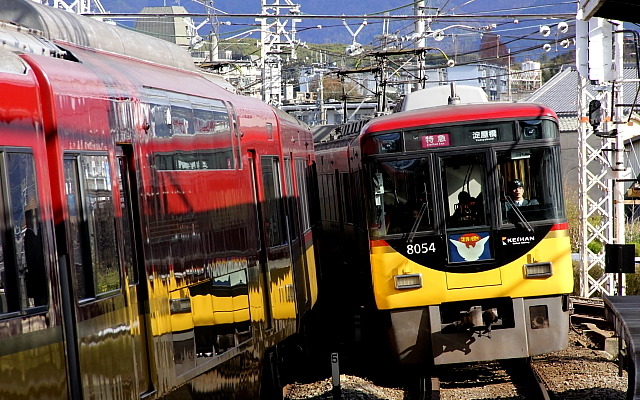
[
  {"x": 517, "y": 240},
  {"x": 470, "y": 246}
]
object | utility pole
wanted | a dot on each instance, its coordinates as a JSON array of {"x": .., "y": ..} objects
[
  {"x": 421, "y": 42},
  {"x": 323, "y": 111}
]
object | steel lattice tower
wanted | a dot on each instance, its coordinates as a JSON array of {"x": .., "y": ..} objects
[
  {"x": 273, "y": 33},
  {"x": 76, "y": 6}
]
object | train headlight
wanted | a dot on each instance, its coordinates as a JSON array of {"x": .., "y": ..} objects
[
  {"x": 538, "y": 270},
  {"x": 411, "y": 281}
]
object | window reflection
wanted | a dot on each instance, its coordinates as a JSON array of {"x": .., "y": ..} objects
[
  {"x": 220, "y": 310},
  {"x": 23, "y": 278},
  {"x": 92, "y": 225},
  {"x": 401, "y": 192}
]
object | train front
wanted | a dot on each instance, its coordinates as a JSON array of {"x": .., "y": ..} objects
[{"x": 469, "y": 244}]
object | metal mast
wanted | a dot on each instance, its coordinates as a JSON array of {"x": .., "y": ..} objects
[
  {"x": 599, "y": 60},
  {"x": 76, "y": 6},
  {"x": 272, "y": 30}
]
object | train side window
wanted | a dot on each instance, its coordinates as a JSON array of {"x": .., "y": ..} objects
[
  {"x": 274, "y": 214},
  {"x": 291, "y": 200},
  {"x": 182, "y": 121},
  {"x": 23, "y": 278},
  {"x": 90, "y": 202},
  {"x": 128, "y": 236},
  {"x": 212, "y": 127},
  {"x": 346, "y": 198},
  {"x": 301, "y": 178},
  {"x": 236, "y": 133},
  {"x": 160, "y": 120}
]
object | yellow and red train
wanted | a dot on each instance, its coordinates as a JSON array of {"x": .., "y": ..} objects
[
  {"x": 428, "y": 258},
  {"x": 156, "y": 228}
]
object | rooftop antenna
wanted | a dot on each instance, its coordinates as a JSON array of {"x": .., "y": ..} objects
[{"x": 454, "y": 98}]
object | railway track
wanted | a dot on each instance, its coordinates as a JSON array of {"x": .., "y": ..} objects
[
  {"x": 527, "y": 379},
  {"x": 581, "y": 371},
  {"x": 517, "y": 379}
]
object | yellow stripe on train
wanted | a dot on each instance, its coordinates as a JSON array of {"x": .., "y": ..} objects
[{"x": 438, "y": 287}]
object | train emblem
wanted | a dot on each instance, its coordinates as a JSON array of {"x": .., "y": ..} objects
[{"x": 469, "y": 247}]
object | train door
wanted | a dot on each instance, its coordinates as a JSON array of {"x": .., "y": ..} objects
[
  {"x": 134, "y": 266},
  {"x": 274, "y": 240},
  {"x": 296, "y": 240},
  {"x": 467, "y": 199},
  {"x": 262, "y": 256},
  {"x": 103, "y": 326},
  {"x": 277, "y": 241}
]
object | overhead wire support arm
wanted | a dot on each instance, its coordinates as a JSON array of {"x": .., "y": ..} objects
[{"x": 401, "y": 17}]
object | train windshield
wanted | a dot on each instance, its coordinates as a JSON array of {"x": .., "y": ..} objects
[
  {"x": 464, "y": 182},
  {"x": 529, "y": 185},
  {"x": 402, "y": 196},
  {"x": 491, "y": 186}
]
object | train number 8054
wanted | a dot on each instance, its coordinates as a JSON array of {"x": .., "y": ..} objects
[{"x": 421, "y": 248}]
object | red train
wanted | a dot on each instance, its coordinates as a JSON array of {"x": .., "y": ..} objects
[{"x": 156, "y": 228}]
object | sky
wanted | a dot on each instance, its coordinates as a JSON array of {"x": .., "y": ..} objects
[{"x": 519, "y": 33}]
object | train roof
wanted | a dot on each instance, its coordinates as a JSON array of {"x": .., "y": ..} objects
[
  {"x": 439, "y": 96},
  {"x": 458, "y": 114},
  {"x": 64, "y": 27}
]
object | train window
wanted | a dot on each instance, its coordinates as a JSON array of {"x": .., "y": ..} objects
[
  {"x": 92, "y": 225},
  {"x": 269, "y": 128},
  {"x": 236, "y": 134},
  {"x": 328, "y": 200},
  {"x": 273, "y": 212},
  {"x": 23, "y": 278},
  {"x": 301, "y": 178},
  {"x": 122, "y": 120},
  {"x": 463, "y": 182},
  {"x": 292, "y": 202},
  {"x": 160, "y": 120},
  {"x": 181, "y": 121},
  {"x": 532, "y": 176},
  {"x": 346, "y": 198},
  {"x": 538, "y": 129},
  {"x": 185, "y": 160},
  {"x": 127, "y": 221},
  {"x": 217, "y": 153},
  {"x": 402, "y": 197}
]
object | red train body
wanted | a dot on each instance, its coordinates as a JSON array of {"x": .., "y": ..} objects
[{"x": 156, "y": 230}]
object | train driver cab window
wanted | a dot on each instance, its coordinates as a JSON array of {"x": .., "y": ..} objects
[
  {"x": 529, "y": 185},
  {"x": 400, "y": 197},
  {"x": 464, "y": 185},
  {"x": 94, "y": 253},
  {"x": 23, "y": 278}
]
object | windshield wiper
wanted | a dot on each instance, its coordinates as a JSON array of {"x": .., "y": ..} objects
[
  {"x": 416, "y": 223},
  {"x": 518, "y": 213}
]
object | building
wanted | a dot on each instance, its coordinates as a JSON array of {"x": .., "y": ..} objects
[{"x": 178, "y": 30}]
